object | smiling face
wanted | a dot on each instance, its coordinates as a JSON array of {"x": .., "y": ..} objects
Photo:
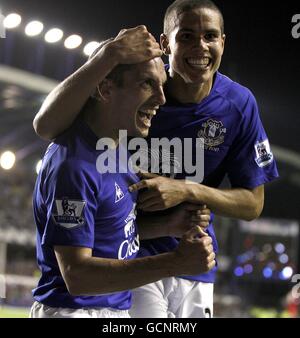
[
  {"x": 195, "y": 45},
  {"x": 135, "y": 103}
]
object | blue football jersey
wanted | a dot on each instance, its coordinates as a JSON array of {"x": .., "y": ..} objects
[
  {"x": 75, "y": 205},
  {"x": 234, "y": 141}
]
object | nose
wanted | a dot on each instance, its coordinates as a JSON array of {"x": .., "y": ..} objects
[
  {"x": 202, "y": 44},
  {"x": 160, "y": 98}
]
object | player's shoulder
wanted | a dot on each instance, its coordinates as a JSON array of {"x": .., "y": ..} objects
[
  {"x": 237, "y": 94},
  {"x": 61, "y": 160},
  {"x": 70, "y": 150},
  {"x": 74, "y": 174}
]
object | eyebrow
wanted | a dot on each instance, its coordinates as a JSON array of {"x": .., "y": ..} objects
[
  {"x": 152, "y": 78},
  {"x": 215, "y": 31},
  {"x": 185, "y": 30},
  {"x": 209, "y": 30}
]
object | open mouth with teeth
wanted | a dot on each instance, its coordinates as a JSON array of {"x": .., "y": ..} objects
[
  {"x": 199, "y": 63},
  {"x": 146, "y": 116}
]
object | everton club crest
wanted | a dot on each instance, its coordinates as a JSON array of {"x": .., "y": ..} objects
[{"x": 213, "y": 132}]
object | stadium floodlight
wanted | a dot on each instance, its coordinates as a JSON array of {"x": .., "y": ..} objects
[
  {"x": 54, "y": 35},
  {"x": 287, "y": 273},
  {"x": 90, "y": 48},
  {"x": 34, "y": 28},
  {"x": 73, "y": 41},
  {"x": 7, "y": 160},
  {"x": 38, "y": 166},
  {"x": 12, "y": 20}
]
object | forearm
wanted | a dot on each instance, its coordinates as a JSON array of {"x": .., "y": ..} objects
[
  {"x": 88, "y": 275},
  {"x": 236, "y": 203},
  {"x": 65, "y": 102},
  {"x": 97, "y": 276}
]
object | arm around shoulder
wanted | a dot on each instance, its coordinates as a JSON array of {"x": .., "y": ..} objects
[
  {"x": 65, "y": 102},
  {"x": 241, "y": 203}
]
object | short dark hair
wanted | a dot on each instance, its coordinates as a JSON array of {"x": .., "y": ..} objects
[
  {"x": 180, "y": 6},
  {"x": 116, "y": 75}
]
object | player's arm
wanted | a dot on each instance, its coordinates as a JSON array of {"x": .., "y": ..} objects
[
  {"x": 163, "y": 193},
  {"x": 65, "y": 102},
  {"x": 246, "y": 204},
  {"x": 175, "y": 222},
  {"x": 87, "y": 275}
]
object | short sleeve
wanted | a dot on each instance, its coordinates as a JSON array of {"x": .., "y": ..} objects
[
  {"x": 251, "y": 162},
  {"x": 71, "y": 205}
]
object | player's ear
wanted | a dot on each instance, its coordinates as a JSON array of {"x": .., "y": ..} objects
[
  {"x": 104, "y": 90},
  {"x": 223, "y": 41},
  {"x": 164, "y": 43}
]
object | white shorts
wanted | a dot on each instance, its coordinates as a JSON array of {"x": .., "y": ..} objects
[
  {"x": 173, "y": 298},
  {"x": 39, "y": 310}
]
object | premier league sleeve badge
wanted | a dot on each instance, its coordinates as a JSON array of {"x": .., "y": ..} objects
[
  {"x": 264, "y": 154},
  {"x": 69, "y": 213}
]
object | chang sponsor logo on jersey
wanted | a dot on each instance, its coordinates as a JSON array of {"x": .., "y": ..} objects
[
  {"x": 69, "y": 213},
  {"x": 264, "y": 154},
  {"x": 131, "y": 245}
]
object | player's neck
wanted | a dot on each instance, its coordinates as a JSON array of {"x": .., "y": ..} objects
[
  {"x": 188, "y": 92},
  {"x": 100, "y": 124}
]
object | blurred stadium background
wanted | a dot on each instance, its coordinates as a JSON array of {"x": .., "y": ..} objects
[{"x": 257, "y": 260}]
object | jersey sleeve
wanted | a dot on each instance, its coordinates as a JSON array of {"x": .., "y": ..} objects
[
  {"x": 71, "y": 206},
  {"x": 251, "y": 162}
]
